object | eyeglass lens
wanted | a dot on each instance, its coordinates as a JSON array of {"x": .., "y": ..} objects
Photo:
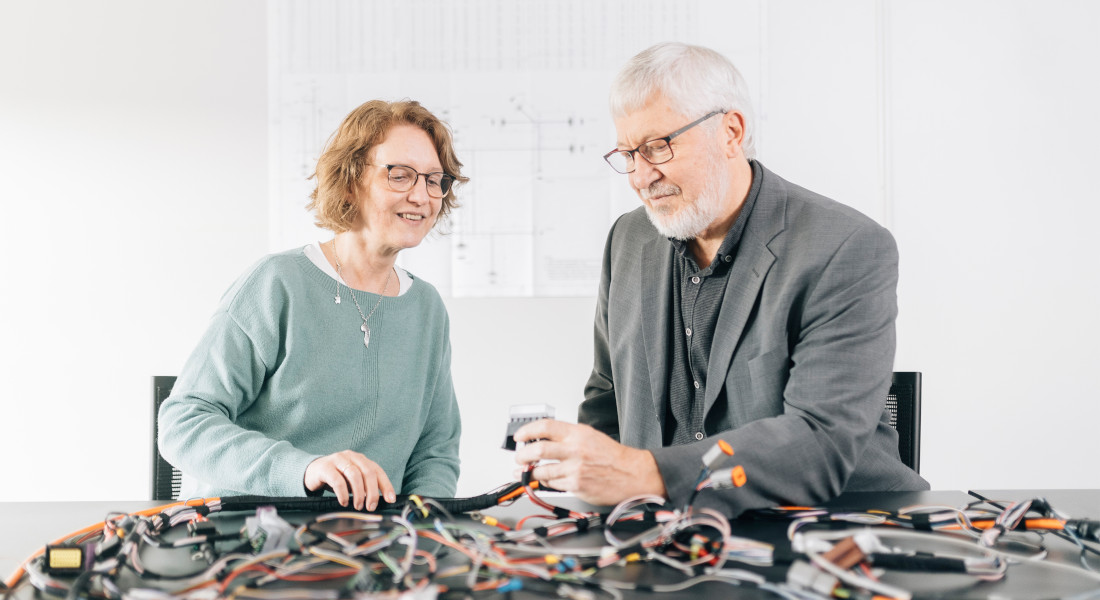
[
  {"x": 654, "y": 151},
  {"x": 402, "y": 179}
]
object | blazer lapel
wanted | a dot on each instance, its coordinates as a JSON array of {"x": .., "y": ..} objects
[
  {"x": 656, "y": 278},
  {"x": 754, "y": 260}
]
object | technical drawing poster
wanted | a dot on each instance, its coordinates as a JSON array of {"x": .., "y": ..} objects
[{"x": 524, "y": 87}]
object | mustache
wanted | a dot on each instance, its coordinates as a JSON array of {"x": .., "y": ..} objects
[{"x": 658, "y": 188}]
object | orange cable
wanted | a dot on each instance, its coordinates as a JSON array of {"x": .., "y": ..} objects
[{"x": 18, "y": 574}]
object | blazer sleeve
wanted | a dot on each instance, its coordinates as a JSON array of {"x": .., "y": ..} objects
[{"x": 841, "y": 342}]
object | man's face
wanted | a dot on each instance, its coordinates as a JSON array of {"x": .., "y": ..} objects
[{"x": 686, "y": 194}]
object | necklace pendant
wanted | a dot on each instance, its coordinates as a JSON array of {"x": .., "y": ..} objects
[
  {"x": 366, "y": 334},
  {"x": 337, "y": 299}
]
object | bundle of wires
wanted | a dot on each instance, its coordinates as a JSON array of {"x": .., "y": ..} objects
[
  {"x": 421, "y": 547},
  {"x": 393, "y": 552},
  {"x": 835, "y": 559}
]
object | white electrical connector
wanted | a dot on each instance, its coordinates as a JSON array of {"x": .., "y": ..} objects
[
  {"x": 267, "y": 531},
  {"x": 804, "y": 576},
  {"x": 522, "y": 414},
  {"x": 722, "y": 448},
  {"x": 728, "y": 478}
]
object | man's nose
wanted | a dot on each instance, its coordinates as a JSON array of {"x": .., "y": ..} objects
[{"x": 644, "y": 174}]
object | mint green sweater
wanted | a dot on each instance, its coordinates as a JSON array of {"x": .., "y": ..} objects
[{"x": 281, "y": 377}]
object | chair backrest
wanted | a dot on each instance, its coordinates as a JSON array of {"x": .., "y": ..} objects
[
  {"x": 904, "y": 404},
  {"x": 166, "y": 478}
]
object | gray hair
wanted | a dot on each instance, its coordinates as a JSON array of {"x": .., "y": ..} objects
[{"x": 693, "y": 79}]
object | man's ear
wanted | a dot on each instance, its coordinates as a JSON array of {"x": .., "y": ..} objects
[{"x": 733, "y": 133}]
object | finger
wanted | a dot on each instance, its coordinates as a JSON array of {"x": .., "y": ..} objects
[
  {"x": 370, "y": 479},
  {"x": 370, "y": 499},
  {"x": 554, "y": 475},
  {"x": 544, "y": 472},
  {"x": 544, "y": 450},
  {"x": 335, "y": 480},
  {"x": 543, "y": 429},
  {"x": 528, "y": 453},
  {"x": 385, "y": 487},
  {"x": 354, "y": 477}
]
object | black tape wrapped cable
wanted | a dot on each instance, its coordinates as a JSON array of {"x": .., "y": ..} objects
[{"x": 330, "y": 504}]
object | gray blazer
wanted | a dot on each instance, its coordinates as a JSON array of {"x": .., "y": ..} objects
[{"x": 804, "y": 345}]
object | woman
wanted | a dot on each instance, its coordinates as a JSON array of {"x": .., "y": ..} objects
[{"x": 329, "y": 366}]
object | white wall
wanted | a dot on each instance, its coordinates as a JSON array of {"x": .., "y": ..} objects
[
  {"x": 134, "y": 190},
  {"x": 133, "y": 170}
]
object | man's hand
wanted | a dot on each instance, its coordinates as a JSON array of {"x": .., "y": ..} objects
[
  {"x": 347, "y": 471},
  {"x": 591, "y": 465}
]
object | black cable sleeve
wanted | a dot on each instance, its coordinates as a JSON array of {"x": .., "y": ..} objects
[
  {"x": 912, "y": 562},
  {"x": 1085, "y": 529},
  {"x": 330, "y": 504},
  {"x": 786, "y": 556}
]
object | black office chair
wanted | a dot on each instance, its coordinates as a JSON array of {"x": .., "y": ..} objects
[
  {"x": 166, "y": 478},
  {"x": 903, "y": 400}
]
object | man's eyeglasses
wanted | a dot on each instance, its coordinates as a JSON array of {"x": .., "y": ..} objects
[
  {"x": 402, "y": 179},
  {"x": 655, "y": 152}
]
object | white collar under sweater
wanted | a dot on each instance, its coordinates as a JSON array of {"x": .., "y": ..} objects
[{"x": 317, "y": 256}]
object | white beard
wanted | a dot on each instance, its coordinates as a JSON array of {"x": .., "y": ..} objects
[{"x": 693, "y": 217}]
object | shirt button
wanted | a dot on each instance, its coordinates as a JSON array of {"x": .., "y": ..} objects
[
  {"x": 727, "y": 258},
  {"x": 696, "y": 385},
  {"x": 695, "y": 279},
  {"x": 699, "y": 435},
  {"x": 688, "y": 331}
]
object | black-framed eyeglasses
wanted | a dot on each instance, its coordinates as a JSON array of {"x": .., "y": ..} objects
[
  {"x": 655, "y": 152},
  {"x": 403, "y": 178}
]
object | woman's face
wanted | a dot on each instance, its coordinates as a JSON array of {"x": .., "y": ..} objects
[{"x": 394, "y": 220}]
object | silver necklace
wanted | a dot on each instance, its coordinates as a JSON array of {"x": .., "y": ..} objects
[{"x": 340, "y": 273}]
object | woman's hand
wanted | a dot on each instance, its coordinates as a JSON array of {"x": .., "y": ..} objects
[{"x": 347, "y": 471}]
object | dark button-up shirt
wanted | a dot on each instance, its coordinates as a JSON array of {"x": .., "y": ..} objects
[{"x": 696, "y": 301}]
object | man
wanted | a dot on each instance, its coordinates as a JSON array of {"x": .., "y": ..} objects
[{"x": 738, "y": 307}]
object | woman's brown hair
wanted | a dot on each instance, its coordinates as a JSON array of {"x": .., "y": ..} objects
[{"x": 341, "y": 164}]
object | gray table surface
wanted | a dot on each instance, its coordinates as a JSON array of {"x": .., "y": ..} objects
[{"x": 26, "y": 527}]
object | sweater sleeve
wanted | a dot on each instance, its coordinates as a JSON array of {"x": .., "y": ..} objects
[
  {"x": 432, "y": 469},
  {"x": 198, "y": 430}
]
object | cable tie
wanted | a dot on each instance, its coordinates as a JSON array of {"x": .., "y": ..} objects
[
  {"x": 541, "y": 531},
  {"x": 582, "y": 525}
]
